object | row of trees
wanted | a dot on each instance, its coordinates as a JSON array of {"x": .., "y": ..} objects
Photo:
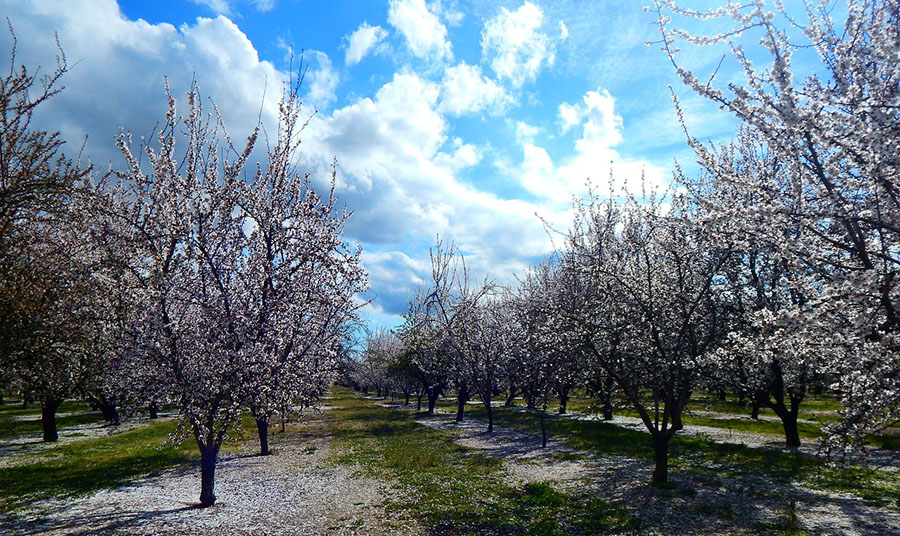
[
  {"x": 190, "y": 277},
  {"x": 771, "y": 272}
]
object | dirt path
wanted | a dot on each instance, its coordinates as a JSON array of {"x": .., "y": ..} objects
[
  {"x": 700, "y": 503},
  {"x": 295, "y": 491}
]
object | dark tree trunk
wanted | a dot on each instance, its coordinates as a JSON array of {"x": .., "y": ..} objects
[
  {"x": 432, "y": 401},
  {"x": 789, "y": 422},
  {"x": 208, "y": 459},
  {"x": 563, "y": 401},
  {"x": 262, "y": 427},
  {"x": 542, "y": 418},
  {"x": 1, "y": 397},
  {"x": 677, "y": 423},
  {"x": 722, "y": 394},
  {"x": 462, "y": 396},
  {"x": 27, "y": 398},
  {"x": 407, "y": 398},
  {"x": 607, "y": 409},
  {"x": 109, "y": 411},
  {"x": 48, "y": 418},
  {"x": 661, "y": 456},
  {"x": 754, "y": 410},
  {"x": 511, "y": 397},
  {"x": 154, "y": 410},
  {"x": 742, "y": 402},
  {"x": 419, "y": 401},
  {"x": 787, "y": 415},
  {"x": 791, "y": 432},
  {"x": 490, "y": 413}
]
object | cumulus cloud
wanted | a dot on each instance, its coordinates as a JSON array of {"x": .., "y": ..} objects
[
  {"x": 399, "y": 172},
  {"x": 594, "y": 158},
  {"x": 465, "y": 90},
  {"x": 569, "y": 116},
  {"x": 117, "y": 69},
  {"x": 514, "y": 45},
  {"x": 426, "y": 36},
  {"x": 362, "y": 41},
  {"x": 322, "y": 80},
  {"x": 398, "y": 166}
]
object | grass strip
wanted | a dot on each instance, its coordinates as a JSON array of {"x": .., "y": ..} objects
[{"x": 453, "y": 489}]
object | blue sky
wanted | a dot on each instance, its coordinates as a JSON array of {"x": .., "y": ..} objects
[{"x": 476, "y": 120}]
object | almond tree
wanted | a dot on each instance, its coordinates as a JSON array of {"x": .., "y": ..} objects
[
  {"x": 47, "y": 287},
  {"x": 832, "y": 211},
  {"x": 243, "y": 285},
  {"x": 545, "y": 348},
  {"x": 646, "y": 311},
  {"x": 297, "y": 285}
]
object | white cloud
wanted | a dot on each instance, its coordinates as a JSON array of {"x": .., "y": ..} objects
[
  {"x": 563, "y": 31},
  {"x": 321, "y": 81},
  {"x": 514, "y": 46},
  {"x": 465, "y": 90},
  {"x": 397, "y": 165},
  {"x": 426, "y": 36},
  {"x": 117, "y": 67},
  {"x": 594, "y": 158},
  {"x": 569, "y": 116},
  {"x": 361, "y": 41},
  {"x": 525, "y": 133}
]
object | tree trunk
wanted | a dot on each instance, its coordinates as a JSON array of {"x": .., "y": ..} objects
[
  {"x": 208, "y": 458},
  {"x": 1, "y": 397},
  {"x": 262, "y": 426},
  {"x": 27, "y": 398},
  {"x": 490, "y": 413},
  {"x": 722, "y": 394},
  {"x": 754, "y": 411},
  {"x": 511, "y": 397},
  {"x": 418, "y": 401},
  {"x": 677, "y": 423},
  {"x": 789, "y": 422},
  {"x": 407, "y": 398},
  {"x": 607, "y": 409},
  {"x": 109, "y": 411},
  {"x": 154, "y": 410},
  {"x": 563, "y": 402},
  {"x": 543, "y": 429},
  {"x": 432, "y": 400},
  {"x": 661, "y": 452},
  {"x": 48, "y": 418},
  {"x": 462, "y": 396},
  {"x": 791, "y": 432}
]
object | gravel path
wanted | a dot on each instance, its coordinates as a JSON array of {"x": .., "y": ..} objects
[
  {"x": 702, "y": 502},
  {"x": 295, "y": 491}
]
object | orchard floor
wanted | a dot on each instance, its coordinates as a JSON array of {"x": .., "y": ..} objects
[{"x": 309, "y": 487}]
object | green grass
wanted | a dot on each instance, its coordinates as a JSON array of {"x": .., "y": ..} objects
[
  {"x": 455, "y": 490},
  {"x": 84, "y": 466},
  {"x": 718, "y": 462},
  {"x": 15, "y": 427}
]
